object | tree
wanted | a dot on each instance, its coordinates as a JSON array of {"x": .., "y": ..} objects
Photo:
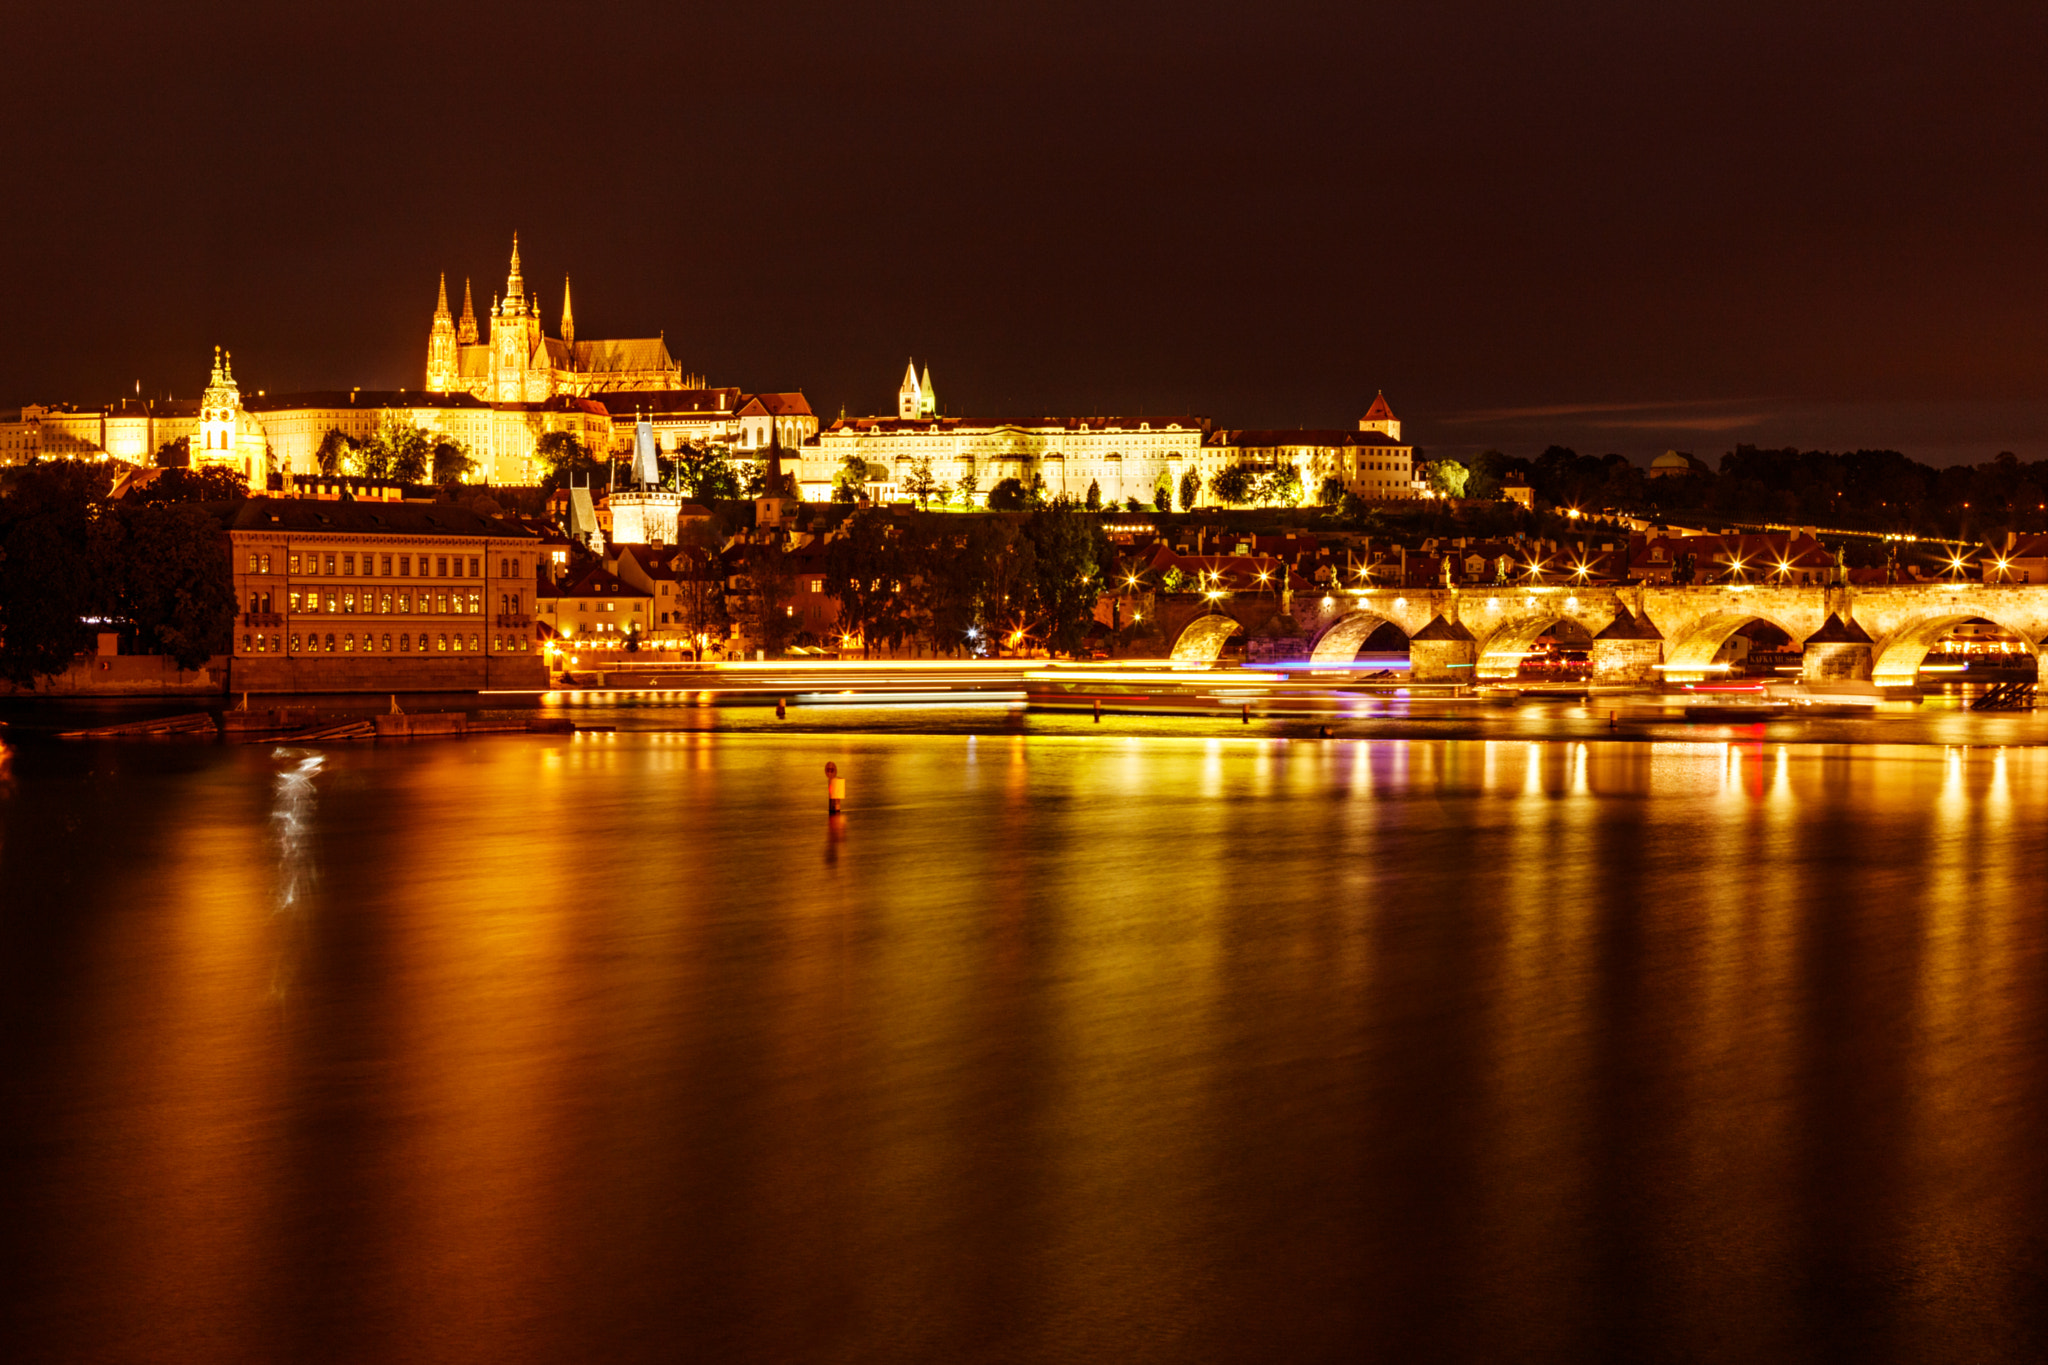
[
  {"x": 1162, "y": 498},
  {"x": 1094, "y": 501},
  {"x": 1008, "y": 495},
  {"x": 212, "y": 484},
  {"x": 50, "y": 578},
  {"x": 850, "y": 482},
  {"x": 397, "y": 450},
  {"x": 864, "y": 572},
  {"x": 337, "y": 451},
  {"x": 562, "y": 455},
  {"x": 1190, "y": 490},
  {"x": 1234, "y": 485},
  {"x": 1332, "y": 491},
  {"x": 175, "y": 454},
  {"x": 169, "y": 579},
  {"x": 920, "y": 483},
  {"x": 452, "y": 463},
  {"x": 706, "y": 472},
  {"x": 1068, "y": 553},
  {"x": 969, "y": 484},
  {"x": 1278, "y": 487},
  {"x": 1448, "y": 478}
]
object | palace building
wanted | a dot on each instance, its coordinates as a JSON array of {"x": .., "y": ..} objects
[{"x": 1122, "y": 457}]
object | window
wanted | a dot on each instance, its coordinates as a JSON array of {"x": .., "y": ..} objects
[
  {"x": 295, "y": 644},
  {"x": 441, "y": 566},
  {"x": 330, "y": 564},
  {"x": 405, "y": 644},
  {"x": 504, "y": 604},
  {"x": 583, "y": 606},
  {"x": 348, "y": 644},
  {"x": 817, "y": 585},
  {"x": 523, "y": 644},
  {"x": 473, "y": 644},
  {"x": 384, "y": 603},
  {"x": 442, "y": 642},
  {"x": 266, "y": 565},
  {"x": 474, "y": 572},
  {"x": 330, "y": 644},
  {"x": 348, "y": 565},
  {"x": 423, "y": 643},
  {"x": 252, "y": 561},
  {"x": 405, "y": 566},
  {"x": 330, "y": 602},
  {"x": 248, "y": 645},
  {"x": 387, "y": 643},
  {"x": 292, "y": 564},
  {"x": 387, "y": 566},
  {"x": 476, "y": 602},
  {"x": 292, "y": 601},
  {"x": 441, "y": 602},
  {"x": 504, "y": 568},
  {"x": 348, "y": 601},
  {"x": 611, "y": 606},
  {"x": 458, "y": 567},
  {"x": 515, "y": 604}
]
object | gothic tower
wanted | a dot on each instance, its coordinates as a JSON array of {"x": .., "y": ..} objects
[
  {"x": 927, "y": 396},
  {"x": 465, "y": 330},
  {"x": 909, "y": 399},
  {"x": 568, "y": 316},
  {"x": 442, "y": 371},
  {"x": 512, "y": 336}
]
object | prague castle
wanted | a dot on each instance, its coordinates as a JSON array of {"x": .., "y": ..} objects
[{"x": 520, "y": 363}]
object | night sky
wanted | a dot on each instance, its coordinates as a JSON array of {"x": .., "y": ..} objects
[{"x": 1615, "y": 226}]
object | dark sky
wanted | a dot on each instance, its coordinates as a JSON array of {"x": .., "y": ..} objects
[{"x": 1622, "y": 226}]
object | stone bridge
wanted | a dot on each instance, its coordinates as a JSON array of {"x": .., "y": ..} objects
[{"x": 1639, "y": 632}]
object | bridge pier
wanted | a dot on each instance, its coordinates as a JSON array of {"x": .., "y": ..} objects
[
  {"x": 1442, "y": 651},
  {"x": 1626, "y": 653},
  {"x": 1839, "y": 651}
]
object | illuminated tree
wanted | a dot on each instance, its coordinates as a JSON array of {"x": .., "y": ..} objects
[
  {"x": 1094, "y": 496},
  {"x": 1190, "y": 490}
]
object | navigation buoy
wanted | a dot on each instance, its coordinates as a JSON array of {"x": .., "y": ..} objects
[
  {"x": 1098, "y": 710},
  {"x": 782, "y": 708},
  {"x": 1245, "y": 712},
  {"x": 835, "y": 789}
]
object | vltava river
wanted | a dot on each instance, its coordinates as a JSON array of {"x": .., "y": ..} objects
[{"x": 1055, "y": 1047}]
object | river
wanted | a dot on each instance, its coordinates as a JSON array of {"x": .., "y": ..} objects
[{"x": 1061, "y": 1044}]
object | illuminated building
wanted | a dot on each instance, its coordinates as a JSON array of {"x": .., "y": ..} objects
[
  {"x": 1122, "y": 457},
  {"x": 518, "y": 362},
  {"x": 381, "y": 597}
]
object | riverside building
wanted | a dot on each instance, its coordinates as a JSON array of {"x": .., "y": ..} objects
[{"x": 382, "y": 597}]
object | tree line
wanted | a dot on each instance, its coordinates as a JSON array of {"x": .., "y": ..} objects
[{"x": 153, "y": 567}]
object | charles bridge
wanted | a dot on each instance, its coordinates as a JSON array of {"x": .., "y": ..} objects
[{"x": 1639, "y": 632}]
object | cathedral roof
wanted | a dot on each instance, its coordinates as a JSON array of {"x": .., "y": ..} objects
[{"x": 614, "y": 357}]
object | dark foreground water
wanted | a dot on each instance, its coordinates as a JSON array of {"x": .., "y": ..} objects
[{"x": 1056, "y": 1047}]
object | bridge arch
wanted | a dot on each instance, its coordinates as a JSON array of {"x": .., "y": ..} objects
[
  {"x": 1687, "y": 655},
  {"x": 1501, "y": 653},
  {"x": 1202, "y": 641},
  {"x": 1897, "y": 658},
  {"x": 1340, "y": 643}
]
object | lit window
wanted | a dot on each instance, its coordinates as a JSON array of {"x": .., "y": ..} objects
[
  {"x": 292, "y": 564},
  {"x": 330, "y": 645},
  {"x": 442, "y": 641},
  {"x": 473, "y": 644},
  {"x": 248, "y": 645},
  {"x": 387, "y": 644},
  {"x": 295, "y": 644}
]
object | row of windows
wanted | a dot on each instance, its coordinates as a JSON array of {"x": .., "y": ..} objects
[
  {"x": 349, "y": 602},
  {"x": 392, "y": 566},
  {"x": 327, "y": 644}
]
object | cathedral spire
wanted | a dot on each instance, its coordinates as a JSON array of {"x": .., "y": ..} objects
[
  {"x": 441, "y": 304},
  {"x": 928, "y": 397},
  {"x": 515, "y": 284},
  {"x": 465, "y": 331},
  {"x": 568, "y": 316}
]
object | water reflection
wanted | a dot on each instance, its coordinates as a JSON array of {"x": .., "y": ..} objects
[{"x": 1070, "y": 1046}]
